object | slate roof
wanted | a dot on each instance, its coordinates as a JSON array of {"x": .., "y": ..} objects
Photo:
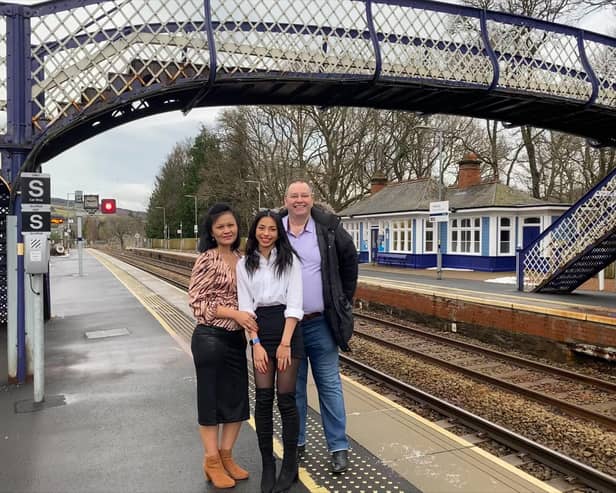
[{"x": 416, "y": 195}]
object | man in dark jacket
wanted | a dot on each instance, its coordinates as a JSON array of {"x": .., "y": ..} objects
[{"x": 329, "y": 278}]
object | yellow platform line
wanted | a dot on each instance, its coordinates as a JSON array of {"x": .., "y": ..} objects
[{"x": 128, "y": 282}]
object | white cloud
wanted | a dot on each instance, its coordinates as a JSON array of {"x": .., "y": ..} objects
[{"x": 123, "y": 162}]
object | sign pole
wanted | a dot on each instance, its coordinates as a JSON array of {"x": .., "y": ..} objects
[
  {"x": 35, "y": 227},
  {"x": 439, "y": 213},
  {"x": 80, "y": 244},
  {"x": 38, "y": 363}
]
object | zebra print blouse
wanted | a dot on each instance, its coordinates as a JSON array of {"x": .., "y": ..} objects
[{"x": 212, "y": 284}]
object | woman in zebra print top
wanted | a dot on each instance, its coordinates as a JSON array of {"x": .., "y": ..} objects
[{"x": 219, "y": 345}]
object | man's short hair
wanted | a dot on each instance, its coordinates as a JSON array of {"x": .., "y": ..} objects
[{"x": 299, "y": 180}]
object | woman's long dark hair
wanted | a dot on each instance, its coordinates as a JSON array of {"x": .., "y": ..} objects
[
  {"x": 207, "y": 241},
  {"x": 284, "y": 250}
]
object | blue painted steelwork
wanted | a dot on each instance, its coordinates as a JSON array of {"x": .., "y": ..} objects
[
  {"x": 214, "y": 87},
  {"x": 375, "y": 42},
  {"x": 588, "y": 68},
  {"x": 18, "y": 138},
  {"x": 490, "y": 52}
]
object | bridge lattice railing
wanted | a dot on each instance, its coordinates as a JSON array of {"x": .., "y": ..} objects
[
  {"x": 581, "y": 227},
  {"x": 90, "y": 53}
]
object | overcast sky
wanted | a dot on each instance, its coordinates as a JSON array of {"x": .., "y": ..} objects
[{"x": 122, "y": 163}]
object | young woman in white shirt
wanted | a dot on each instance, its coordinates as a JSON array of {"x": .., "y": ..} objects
[{"x": 269, "y": 283}]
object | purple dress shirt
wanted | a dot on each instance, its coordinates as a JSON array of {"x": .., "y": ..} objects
[{"x": 307, "y": 246}]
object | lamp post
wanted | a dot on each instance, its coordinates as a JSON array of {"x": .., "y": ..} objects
[
  {"x": 195, "y": 227},
  {"x": 68, "y": 194},
  {"x": 258, "y": 190},
  {"x": 439, "y": 250},
  {"x": 164, "y": 226}
]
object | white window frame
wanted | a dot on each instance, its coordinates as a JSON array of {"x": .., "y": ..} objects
[
  {"x": 401, "y": 235},
  {"x": 352, "y": 227},
  {"x": 430, "y": 227},
  {"x": 459, "y": 230},
  {"x": 511, "y": 229}
]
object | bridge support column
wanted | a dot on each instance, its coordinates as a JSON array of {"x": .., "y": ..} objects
[{"x": 16, "y": 147}]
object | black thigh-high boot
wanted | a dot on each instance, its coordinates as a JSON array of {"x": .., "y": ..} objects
[
  {"x": 290, "y": 431},
  {"x": 264, "y": 405}
]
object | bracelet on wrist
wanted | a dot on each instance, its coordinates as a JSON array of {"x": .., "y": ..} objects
[
  {"x": 284, "y": 345},
  {"x": 254, "y": 341}
]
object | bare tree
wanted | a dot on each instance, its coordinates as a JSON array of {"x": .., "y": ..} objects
[{"x": 120, "y": 228}]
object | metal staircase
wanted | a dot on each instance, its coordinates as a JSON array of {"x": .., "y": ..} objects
[{"x": 577, "y": 246}]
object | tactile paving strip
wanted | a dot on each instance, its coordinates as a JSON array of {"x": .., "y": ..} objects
[{"x": 366, "y": 472}]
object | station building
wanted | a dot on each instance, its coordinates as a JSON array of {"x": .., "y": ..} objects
[{"x": 487, "y": 222}]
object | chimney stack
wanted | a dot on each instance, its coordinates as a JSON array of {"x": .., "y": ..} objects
[
  {"x": 378, "y": 182},
  {"x": 469, "y": 171}
]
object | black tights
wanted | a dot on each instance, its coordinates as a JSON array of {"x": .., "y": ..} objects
[
  {"x": 285, "y": 383},
  {"x": 285, "y": 380}
]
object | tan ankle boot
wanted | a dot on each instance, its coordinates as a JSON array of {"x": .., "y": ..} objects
[
  {"x": 216, "y": 473},
  {"x": 233, "y": 470}
]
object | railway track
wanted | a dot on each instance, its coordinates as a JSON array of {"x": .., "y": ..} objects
[
  {"x": 468, "y": 359},
  {"x": 574, "y": 393}
]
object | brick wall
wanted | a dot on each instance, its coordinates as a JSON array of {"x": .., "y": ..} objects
[{"x": 432, "y": 308}]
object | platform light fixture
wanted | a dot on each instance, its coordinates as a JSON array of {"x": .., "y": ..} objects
[
  {"x": 165, "y": 242},
  {"x": 196, "y": 226},
  {"x": 439, "y": 251}
]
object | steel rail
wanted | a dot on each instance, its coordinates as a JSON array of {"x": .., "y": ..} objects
[
  {"x": 576, "y": 377},
  {"x": 559, "y": 404}
]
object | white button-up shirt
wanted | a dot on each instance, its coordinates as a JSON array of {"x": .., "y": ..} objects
[{"x": 265, "y": 288}]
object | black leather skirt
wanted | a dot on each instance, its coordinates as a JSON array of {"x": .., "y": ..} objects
[
  {"x": 222, "y": 375},
  {"x": 271, "y": 325}
]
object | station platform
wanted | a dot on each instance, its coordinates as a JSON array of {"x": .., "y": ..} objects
[{"x": 120, "y": 408}]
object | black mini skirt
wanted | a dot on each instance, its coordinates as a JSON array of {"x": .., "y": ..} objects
[
  {"x": 271, "y": 325},
  {"x": 222, "y": 375}
]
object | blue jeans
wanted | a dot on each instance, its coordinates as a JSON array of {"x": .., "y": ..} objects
[{"x": 322, "y": 351}]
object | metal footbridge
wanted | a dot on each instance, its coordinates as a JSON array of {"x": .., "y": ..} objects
[{"x": 70, "y": 69}]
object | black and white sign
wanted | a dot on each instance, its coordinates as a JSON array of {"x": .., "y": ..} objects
[
  {"x": 78, "y": 196},
  {"x": 35, "y": 203},
  {"x": 90, "y": 203},
  {"x": 35, "y": 189},
  {"x": 35, "y": 221}
]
